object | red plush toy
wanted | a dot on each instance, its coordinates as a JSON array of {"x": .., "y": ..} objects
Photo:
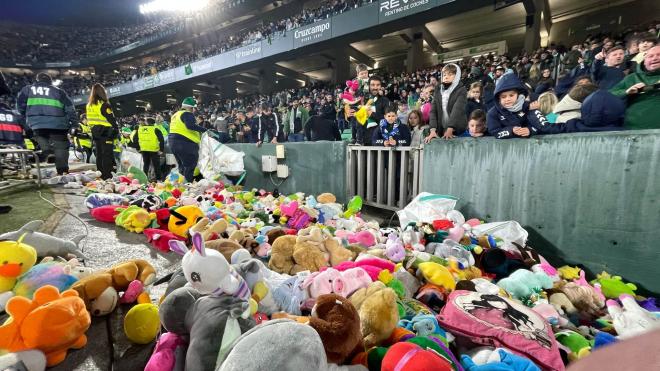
[
  {"x": 160, "y": 239},
  {"x": 162, "y": 217},
  {"x": 106, "y": 213},
  {"x": 411, "y": 357}
]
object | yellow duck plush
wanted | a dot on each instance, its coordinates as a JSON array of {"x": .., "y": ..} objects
[{"x": 16, "y": 258}]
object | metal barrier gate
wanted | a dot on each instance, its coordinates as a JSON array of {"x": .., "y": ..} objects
[{"x": 385, "y": 177}]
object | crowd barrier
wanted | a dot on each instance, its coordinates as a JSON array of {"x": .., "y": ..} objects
[{"x": 590, "y": 198}]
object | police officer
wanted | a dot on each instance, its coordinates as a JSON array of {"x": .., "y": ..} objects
[
  {"x": 151, "y": 144},
  {"x": 104, "y": 129},
  {"x": 82, "y": 138},
  {"x": 184, "y": 138},
  {"x": 49, "y": 113}
]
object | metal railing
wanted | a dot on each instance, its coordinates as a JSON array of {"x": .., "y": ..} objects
[{"x": 385, "y": 177}]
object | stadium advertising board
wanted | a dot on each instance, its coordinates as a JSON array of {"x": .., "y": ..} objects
[
  {"x": 354, "y": 20},
  {"x": 221, "y": 61},
  {"x": 165, "y": 77},
  {"x": 276, "y": 45},
  {"x": 313, "y": 33},
  {"x": 394, "y": 9},
  {"x": 247, "y": 53}
]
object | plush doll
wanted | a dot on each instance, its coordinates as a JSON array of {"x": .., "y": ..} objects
[
  {"x": 291, "y": 296},
  {"x": 522, "y": 283},
  {"x": 169, "y": 351},
  {"x": 182, "y": 218},
  {"x": 372, "y": 265},
  {"x": 210, "y": 231},
  {"x": 210, "y": 322},
  {"x": 102, "y": 199},
  {"x": 100, "y": 291},
  {"x": 55, "y": 274},
  {"x": 261, "y": 281},
  {"x": 281, "y": 257},
  {"x": 497, "y": 359},
  {"x": 394, "y": 248},
  {"x": 134, "y": 219},
  {"x": 363, "y": 238},
  {"x": 141, "y": 323},
  {"x": 326, "y": 198},
  {"x": 388, "y": 279},
  {"x": 208, "y": 271},
  {"x": 585, "y": 299},
  {"x": 106, "y": 213},
  {"x": 44, "y": 244},
  {"x": 578, "y": 346},
  {"x": 612, "y": 286},
  {"x": 28, "y": 360},
  {"x": 148, "y": 202},
  {"x": 17, "y": 258},
  {"x": 321, "y": 283},
  {"x": 160, "y": 239},
  {"x": 436, "y": 274},
  {"x": 307, "y": 257},
  {"x": 631, "y": 319},
  {"x": 378, "y": 312},
  {"x": 302, "y": 350},
  {"x": 51, "y": 322},
  {"x": 409, "y": 356}
]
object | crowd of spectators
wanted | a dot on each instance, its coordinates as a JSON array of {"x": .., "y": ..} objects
[
  {"x": 554, "y": 89},
  {"x": 49, "y": 44}
]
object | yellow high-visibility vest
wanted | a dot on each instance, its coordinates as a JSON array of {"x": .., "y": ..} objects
[
  {"x": 95, "y": 117},
  {"x": 147, "y": 139},
  {"x": 177, "y": 126}
]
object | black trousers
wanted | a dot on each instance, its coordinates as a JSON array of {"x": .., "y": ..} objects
[
  {"x": 104, "y": 143},
  {"x": 56, "y": 142},
  {"x": 149, "y": 159}
]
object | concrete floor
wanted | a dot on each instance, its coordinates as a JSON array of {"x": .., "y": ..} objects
[{"x": 107, "y": 347}]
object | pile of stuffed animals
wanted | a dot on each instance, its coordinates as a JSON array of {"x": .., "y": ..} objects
[{"x": 295, "y": 282}]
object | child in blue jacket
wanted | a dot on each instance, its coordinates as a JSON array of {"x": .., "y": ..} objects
[
  {"x": 511, "y": 116},
  {"x": 391, "y": 132}
]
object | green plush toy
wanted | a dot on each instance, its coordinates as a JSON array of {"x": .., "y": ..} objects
[
  {"x": 577, "y": 343},
  {"x": 612, "y": 286},
  {"x": 413, "y": 261},
  {"x": 138, "y": 174}
]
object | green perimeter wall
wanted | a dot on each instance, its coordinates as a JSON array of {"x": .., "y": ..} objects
[
  {"x": 590, "y": 199},
  {"x": 314, "y": 167}
]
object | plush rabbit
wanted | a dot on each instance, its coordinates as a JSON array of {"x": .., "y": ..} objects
[{"x": 207, "y": 271}]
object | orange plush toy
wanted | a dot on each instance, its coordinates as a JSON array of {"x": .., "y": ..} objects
[{"x": 51, "y": 322}]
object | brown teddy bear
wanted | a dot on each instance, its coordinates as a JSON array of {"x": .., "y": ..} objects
[
  {"x": 326, "y": 198},
  {"x": 290, "y": 256},
  {"x": 338, "y": 323},
  {"x": 333, "y": 251},
  {"x": 100, "y": 290},
  {"x": 378, "y": 312},
  {"x": 208, "y": 230},
  {"x": 274, "y": 234},
  {"x": 281, "y": 254}
]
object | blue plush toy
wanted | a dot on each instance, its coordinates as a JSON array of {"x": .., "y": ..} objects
[{"x": 522, "y": 283}]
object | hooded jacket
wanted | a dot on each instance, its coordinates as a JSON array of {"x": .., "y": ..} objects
[
  {"x": 567, "y": 109},
  {"x": 501, "y": 121},
  {"x": 455, "y": 107},
  {"x": 601, "y": 111},
  {"x": 643, "y": 109}
]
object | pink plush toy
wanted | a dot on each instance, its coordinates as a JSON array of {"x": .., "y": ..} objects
[
  {"x": 160, "y": 239},
  {"x": 289, "y": 209},
  {"x": 364, "y": 238},
  {"x": 550, "y": 314},
  {"x": 350, "y": 281},
  {"x": 321, "y": 283},
  {"x": 583, "y": 282},
  {"x": 394, "y": 248},
  {"x": 164, "y": 355},
  {"x": 373, "y": 266},
  {"x": 131, "y": 294}
]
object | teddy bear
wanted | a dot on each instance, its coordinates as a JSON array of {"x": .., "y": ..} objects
[
  {"x": 100, "y": 290},
  {"x": 210, "y": 231},
  {"x": 338, "y": 324},
  {"x": 52, "y": 322},
  {"x": 281, "y": 256},
  {"x": 290, "y": 256},
  {"x": 378, "y": 312},
  {"x": 326, "y": 198},
  {"x": 332, "y": 250}
]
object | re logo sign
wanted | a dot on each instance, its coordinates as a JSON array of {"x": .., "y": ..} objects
[{"x": 391, "y": 4}]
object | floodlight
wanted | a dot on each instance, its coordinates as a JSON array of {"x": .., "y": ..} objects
[{"x": 173, "y": 6}]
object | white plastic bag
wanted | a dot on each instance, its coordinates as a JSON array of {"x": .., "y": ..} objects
[
  {"x": 130, "y": 157},
  {"x": 216, "y": 158},
  {"x": 509, "y": 231},
  {"x": 426, "y": 208}
]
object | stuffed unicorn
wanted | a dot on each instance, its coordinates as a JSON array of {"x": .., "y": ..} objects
[{"x": 207, "y": 271}]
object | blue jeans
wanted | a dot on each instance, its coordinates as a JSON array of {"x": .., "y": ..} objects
[{"x": 296, "y": 137}]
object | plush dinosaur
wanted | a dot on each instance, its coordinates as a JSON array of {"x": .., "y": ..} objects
[{"x": 45, "y": 244}]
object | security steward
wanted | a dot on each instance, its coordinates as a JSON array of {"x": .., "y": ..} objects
[
  {"x": 49, "y": 113},
  {"x": 104, "y": 129},
  {"x": 82, "y": 138},
  {"x": 184, "y": 138},
  {"x": 151, "y": 144}
]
